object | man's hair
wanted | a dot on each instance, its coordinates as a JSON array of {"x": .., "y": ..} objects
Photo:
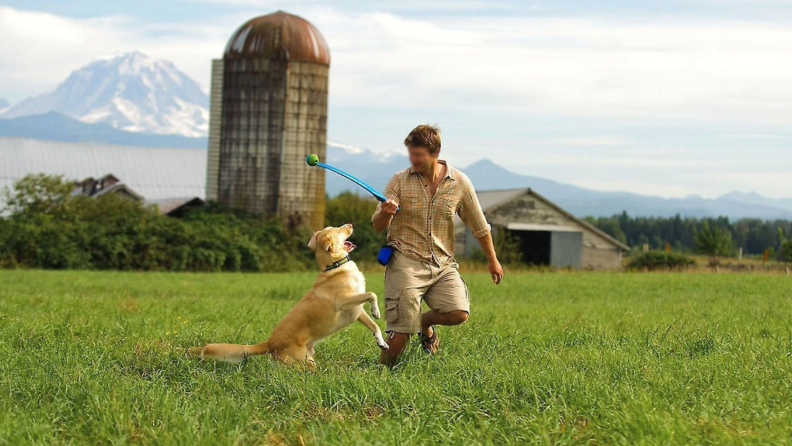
[{"x": 424, "y": 136}]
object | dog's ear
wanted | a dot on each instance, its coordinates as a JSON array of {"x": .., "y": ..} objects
[
  {"x": 328, "y": 242},
  {"x": 312, "y": 241}
]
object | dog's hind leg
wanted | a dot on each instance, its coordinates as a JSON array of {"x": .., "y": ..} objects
[
  {"x": 358, "y": 299},
  {"x": 375, "y": 330}
]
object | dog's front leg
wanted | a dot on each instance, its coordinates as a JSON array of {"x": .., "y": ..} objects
[
  {"x": 359, "y": 299},
  {"x": 375, "y": 330}
]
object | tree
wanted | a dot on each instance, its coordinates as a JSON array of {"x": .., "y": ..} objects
[
  {"x": 38, "y": 194},
  {"x": 786, "y": 246},
  {"x": 713, "y": 241}
]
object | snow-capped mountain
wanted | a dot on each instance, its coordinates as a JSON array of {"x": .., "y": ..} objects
[
  {"x": 3, "y": 105},
  {"x": 129, "y": 91}
]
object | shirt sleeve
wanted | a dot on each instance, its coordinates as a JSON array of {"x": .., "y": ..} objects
[
  {"x": 471, "y": 214},
  {"x": 392, "y": 191}
]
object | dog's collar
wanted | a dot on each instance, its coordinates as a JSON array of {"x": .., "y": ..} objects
[{"x": 337, "y": 263}]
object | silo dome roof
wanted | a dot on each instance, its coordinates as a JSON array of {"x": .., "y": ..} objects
[{"x": 278, "y": 35}]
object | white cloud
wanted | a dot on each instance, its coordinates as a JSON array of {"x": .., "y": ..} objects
[
  {"x": 661, "y": 69},
  {"x": 585, "y": 141},
  {"x": 567, "y": 66}
]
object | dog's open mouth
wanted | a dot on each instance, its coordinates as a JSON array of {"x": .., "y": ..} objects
[{"x": 349, "y": 246}]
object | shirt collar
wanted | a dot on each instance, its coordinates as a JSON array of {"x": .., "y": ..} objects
[{"x": 449, "y": 169}]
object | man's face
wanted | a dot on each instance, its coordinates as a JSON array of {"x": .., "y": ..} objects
[{"x": 420, "y": 158}]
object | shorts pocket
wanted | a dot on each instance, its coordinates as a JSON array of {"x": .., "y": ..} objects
[{"x": 392, "y": 308}]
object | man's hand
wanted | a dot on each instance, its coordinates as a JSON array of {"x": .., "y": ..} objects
[
  {"x": 382, "y": 218},
  {"x": 495, "y": 270},
  {"x": 389, "y": 207}
]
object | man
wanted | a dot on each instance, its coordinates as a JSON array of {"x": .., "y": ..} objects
[{"x": 427, "y": 195}]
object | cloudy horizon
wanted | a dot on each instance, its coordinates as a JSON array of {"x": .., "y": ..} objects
[{"x": 668, "y": 99}]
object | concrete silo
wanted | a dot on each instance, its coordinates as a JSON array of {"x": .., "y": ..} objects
[{"x": 268, "y": 112}]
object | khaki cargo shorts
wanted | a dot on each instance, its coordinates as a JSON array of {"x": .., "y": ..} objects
[{"x": 408, "y": 281}]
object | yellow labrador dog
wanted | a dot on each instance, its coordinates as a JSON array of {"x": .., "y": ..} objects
[{"x": 334, "y": 301}]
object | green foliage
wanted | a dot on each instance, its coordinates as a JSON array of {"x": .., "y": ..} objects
[
  {"x": 660, "y": 260},
  {"x": 48, "y": 228},
  {"x": 713, "y": 241},
  {"x": 786, "y": 246},
  {"x": 753, "y": 235},
  {"x": 39, "y": 194}
]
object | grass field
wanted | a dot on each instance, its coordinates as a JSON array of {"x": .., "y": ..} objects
[{"x": 566, "y": 358}]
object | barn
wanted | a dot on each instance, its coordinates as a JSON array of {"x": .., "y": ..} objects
[
  {"x": 173, "y": 179},
  {"x": 546, "y": 233}
]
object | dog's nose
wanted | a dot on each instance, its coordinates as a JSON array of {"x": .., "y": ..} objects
[{"x": 349, "y": 225}]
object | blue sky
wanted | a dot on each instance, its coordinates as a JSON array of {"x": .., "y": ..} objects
[{"x": 666, "y": 98}]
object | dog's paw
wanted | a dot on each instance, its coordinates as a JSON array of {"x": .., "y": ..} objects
[
  {"x": 381, "y": 342},
  {"x": 375, "y": 312}
]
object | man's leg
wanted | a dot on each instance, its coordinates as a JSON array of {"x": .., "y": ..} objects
[
  {"x": 403, "y": 318},
  {"x": 435, "y": 317},
  {"x": 405, "y": 282},
  {"x": 449, "y": 301},
  {"x": 397, "y": 343}
]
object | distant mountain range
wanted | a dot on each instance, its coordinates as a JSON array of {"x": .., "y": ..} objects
[
  {"x": 54, "y": 126},
  {"x": 129, "y": 91},
  {"x": 133, "y": 100},
  {"x": 486, "y": 175}
]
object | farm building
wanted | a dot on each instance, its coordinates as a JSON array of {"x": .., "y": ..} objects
[
  {"x": 268, "y": 112},
  {"x": 547, "y": 234},
  {"x": 173, "y": 179}
]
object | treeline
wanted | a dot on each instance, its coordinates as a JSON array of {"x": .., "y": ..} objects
[
  {"x": 754, "y": 236},
  {"x": 44, "y": 226}
]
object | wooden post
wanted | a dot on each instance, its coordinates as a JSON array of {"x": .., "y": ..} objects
[
  {"x": 787, "y": 270},
  {"x": 739, "y": 256},
  {"x": 646, "y": 247}
]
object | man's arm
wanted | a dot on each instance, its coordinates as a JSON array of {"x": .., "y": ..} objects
[
  {"x": 471, "y": 214},
  {"x": 495, "y": 268},
  {"x": 387, "y": 209}
]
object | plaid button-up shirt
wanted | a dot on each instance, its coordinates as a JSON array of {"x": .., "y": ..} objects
[{"x": 423, "y": 229}]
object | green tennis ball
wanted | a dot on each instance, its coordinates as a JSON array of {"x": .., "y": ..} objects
[{"x": 312, "y": 159}]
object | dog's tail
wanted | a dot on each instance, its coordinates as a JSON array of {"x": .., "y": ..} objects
[{"x": 233, "y": 352}]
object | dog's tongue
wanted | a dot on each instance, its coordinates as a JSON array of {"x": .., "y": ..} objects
[{"x": 349, "y": 246}]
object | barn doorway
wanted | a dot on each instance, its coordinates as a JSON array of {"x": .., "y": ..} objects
[
  {"x": 535, "y": 246},
  {"x": 558, "y": 246}
]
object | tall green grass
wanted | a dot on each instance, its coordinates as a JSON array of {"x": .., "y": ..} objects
[{"x": 568, "y": 358}]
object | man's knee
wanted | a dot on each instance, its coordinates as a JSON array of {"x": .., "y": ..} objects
[{"x": 459, "y": 316}]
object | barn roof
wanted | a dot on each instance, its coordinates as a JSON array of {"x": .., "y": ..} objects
[
  {"x": 153, "y": 173},
  {"x": 491, "y": 199},
  {"x": 167, "y": 206}
]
